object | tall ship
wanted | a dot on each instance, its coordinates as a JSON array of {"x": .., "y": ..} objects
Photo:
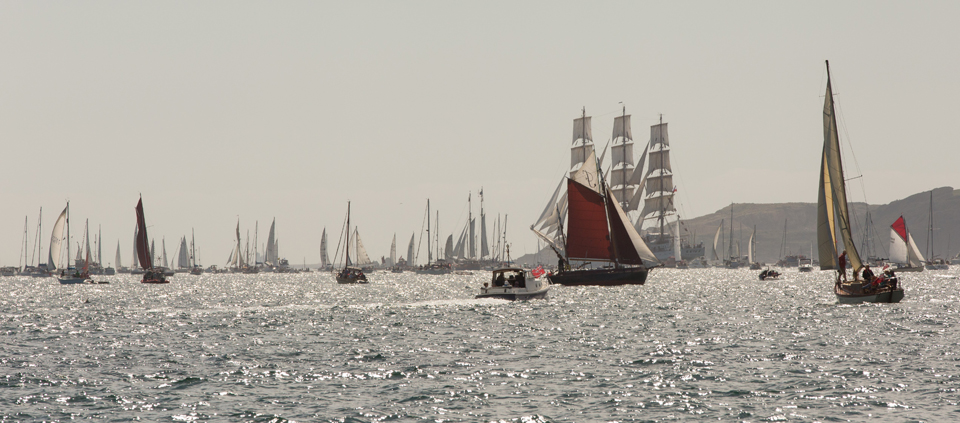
[
  {"x": 658, "y": 220},
  {"x": 599, "y": 245}
]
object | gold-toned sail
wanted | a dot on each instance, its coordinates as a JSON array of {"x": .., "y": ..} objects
[{"x": 833, "y": 217}]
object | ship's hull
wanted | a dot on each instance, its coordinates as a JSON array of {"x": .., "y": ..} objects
[
  {"x": 513, "y": 294},
  {"x": 343, "y": 280},
  {"x": 664, "y": 250},
  {"x": 853, "y": 294},
  {"x": 601, "y": 277}
]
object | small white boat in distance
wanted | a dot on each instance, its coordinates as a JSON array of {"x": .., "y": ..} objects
[{"x": 514, "y": 283}]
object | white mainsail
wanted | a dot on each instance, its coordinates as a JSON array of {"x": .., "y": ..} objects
[
  {"x": 324, "y": 257},
  {"x": 393, "y": 251},
  {"x": 677, "y": 251},
  {"x": 362, "y": 257},
  {"x": 750, "y": 247},
  {"x": 270, "y": 256},
  {"x": 716, "y": 240},
  {"x": 183, "y": 256},
  {"x": 448, "y": 248},
  {"x": 56, "y": 240},
  {"x": 902, "y": 248},
  {"x": 411, "y": 259},
  {"x": 136, "y": 260},
  {"x": 117, "y": 261}
]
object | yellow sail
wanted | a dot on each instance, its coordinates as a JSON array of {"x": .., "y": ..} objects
[{"x": 833, "y": 217}]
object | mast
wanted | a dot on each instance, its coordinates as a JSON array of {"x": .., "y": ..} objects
[
  {"x": 730, "y": 248},
  {"x": 436, "y": 234},
  {"x": 68, "y": 235},
  {"x": 23, "y": 248},
  {"x": 930, "y": 256},
  {"x": 347, "y": 253},
  {"x": 99, "y": 246},
  {"x": 193, "y": 249},
  {"x": 39, "y": 239},
  {"x": 429, "y": 249},
  {"x": 660, "y": 218}
]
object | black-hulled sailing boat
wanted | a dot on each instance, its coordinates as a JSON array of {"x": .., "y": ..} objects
[
  {"x": 350, "y": 274},
  {"x": 598, "y": 230},
  {"x": 833, "y": 220},
  {"x": 151, "y": 274}
]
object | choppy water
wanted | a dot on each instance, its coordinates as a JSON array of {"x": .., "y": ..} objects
[{"x": 691, "y": 344}]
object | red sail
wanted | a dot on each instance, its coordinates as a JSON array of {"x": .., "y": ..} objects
[
  {"x": 624, "y": 250},
  {"x": 900, "y": 227},
  {"x": 587, "y": 235},
  {"x": 143, "y": 248}
]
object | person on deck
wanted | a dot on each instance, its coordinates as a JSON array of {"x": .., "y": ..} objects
[
  {"x": 842, "y": 262},
  {"x": 867, "y": 273}
]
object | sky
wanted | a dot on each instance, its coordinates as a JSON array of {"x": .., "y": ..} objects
[{"x": 223, "y": 111}]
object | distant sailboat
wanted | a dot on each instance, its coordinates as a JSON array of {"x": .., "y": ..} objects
[
  {"x": 151, "y": 274},
  {"x": 324, "y": 256},
  {"x": 904, "y": 253},
  {"x": 349, "y": 274},
  {"x": 833, "y": 219},
  {"x": 933, "y": 263},
  {"x": 68, "y": 275}
]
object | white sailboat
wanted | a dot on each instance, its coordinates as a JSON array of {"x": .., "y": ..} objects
[
  {"x": 324, "y": 256},
  {"x": 349, "y": 274},
  {"x": 933, "y": 263},
  {"x": 67, "y": 274},
  {"x": 271, "y": 255},
  {"x": 833, "y": 221},
  {"x": 904, "y": 254}
]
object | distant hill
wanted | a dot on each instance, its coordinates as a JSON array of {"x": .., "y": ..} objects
[{"x": 801, "y": 226}]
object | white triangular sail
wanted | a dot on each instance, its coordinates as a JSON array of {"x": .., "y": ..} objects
[
  {"x": 393, "y": 251},
  {"x": 448, "y": 248},
  {"x": 902, "y": 248},
  {"x": 716, "y": 241},
  {"x": 411, "y": 260},
  {"x": 677, "y": 250},
  {"x": 183, "y": 256},
  {"x": 750, "y": 248},
  {"x": 56, "y": 241},
  {"x": 324, "y": 257},
  {"x": 270, "y": 256},
  {"x": 117, "y": 260},
  {"x": 362, "y": 257}
]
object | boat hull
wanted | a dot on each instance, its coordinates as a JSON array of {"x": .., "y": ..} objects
[
  {"x": 601, "y": 277},
  {"x": 513, "y": 294},
  {"x": 71, "y": 281},
  {"x": 351, "y": 280},
  {"x": 853, "y": 296}
]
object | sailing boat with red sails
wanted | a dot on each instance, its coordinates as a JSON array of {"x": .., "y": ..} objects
[
  {"x": 598, "y": 229},
  {"x": 150, "y": 274}
]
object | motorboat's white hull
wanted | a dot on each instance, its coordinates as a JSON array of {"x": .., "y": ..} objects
[{"x": 508, "y": 293}]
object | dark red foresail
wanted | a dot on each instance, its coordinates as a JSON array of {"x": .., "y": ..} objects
[
  {"x": 143, "y": 247},
  {"x": 625, "y": 251},
  {"x": 587, "y": 235}
]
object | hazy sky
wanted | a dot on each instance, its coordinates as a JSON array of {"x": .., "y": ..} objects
[{"x": 219, "y": 110}]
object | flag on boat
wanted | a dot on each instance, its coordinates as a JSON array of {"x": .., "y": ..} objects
[{"x": 538, "y": 272}]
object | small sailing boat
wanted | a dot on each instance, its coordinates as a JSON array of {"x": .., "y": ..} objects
[
  {"x": 151, "y": 274},
  {"x": 350, "y": 274},
  {"x": 598, "y": 229},
  {"x": 933, "y": 263},
  {"x": 833, "y": 220},
  {"x": 904, "y": 254},
  {"x": 68, "y": 275}
]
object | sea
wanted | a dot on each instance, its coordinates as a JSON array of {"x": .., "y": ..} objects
[{"x": 698, "y": 344}]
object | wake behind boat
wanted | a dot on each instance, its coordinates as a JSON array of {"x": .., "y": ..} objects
[
  {"x": 833, "y": 219},
  {"x": 514, "y": 283}
]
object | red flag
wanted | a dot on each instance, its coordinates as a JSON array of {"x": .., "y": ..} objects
[{"x": 538, "y": 272}]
